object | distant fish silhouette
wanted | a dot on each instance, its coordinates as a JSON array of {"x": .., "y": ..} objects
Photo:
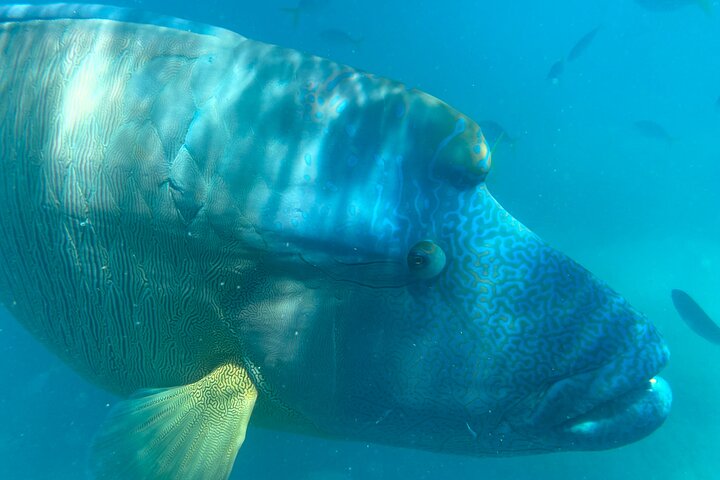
[
  {"x": 696, "y": 318},
  {"x": 654, "y": 130},
  {"x": 304, "y": 7},
  {"x": 340, "y": 37},
  {"x": 555, "y": 71},
  {"x": 557, "y": 68},
  {"x": 495, "y": 134},
  {"x": 582, "y": 44},
  {"x": 669, "y": 5}
]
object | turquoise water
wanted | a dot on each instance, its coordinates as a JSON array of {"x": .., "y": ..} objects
[{"x": 640, "y": 210}]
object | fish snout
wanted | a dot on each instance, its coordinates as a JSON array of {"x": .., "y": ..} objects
[{"x": 615, "y": 404}]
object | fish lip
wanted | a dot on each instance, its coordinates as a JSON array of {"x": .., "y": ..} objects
[
  {"x": 619, "y": 421},
  {"x": 576, "y": 396},
  {"x": 603, "y": 405},
  {"x": 599, "y": 409}
]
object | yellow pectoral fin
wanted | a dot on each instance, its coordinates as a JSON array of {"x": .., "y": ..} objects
[{"x": 182, "y": 433}]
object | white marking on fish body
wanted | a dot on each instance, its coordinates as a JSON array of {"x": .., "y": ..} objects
[
  {"x": 472, "y": 432},
  {"x": 383, "y": 416}
]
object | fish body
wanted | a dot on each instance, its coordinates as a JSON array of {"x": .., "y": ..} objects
[
  {"x": 582, "y": 45},
  {"x": 695, "y": 317},
  {"x": 653, "y": 130},
  {"x": 556, "y": 71},
  {"x": 305, "y": 7},
  {"x": 340, "y": 37},
  {"x": 223, "y": 231}
]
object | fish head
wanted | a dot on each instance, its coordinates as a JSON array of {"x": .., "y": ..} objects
[{"x": 408, "y": 307}]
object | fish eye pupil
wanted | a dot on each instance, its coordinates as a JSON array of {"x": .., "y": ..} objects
[{"x": 418, "y": 260}]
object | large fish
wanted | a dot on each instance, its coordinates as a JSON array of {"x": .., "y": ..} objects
[{"x": 218, "y": 229}]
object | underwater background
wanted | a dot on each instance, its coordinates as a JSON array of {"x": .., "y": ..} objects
[{"x": 604, "y": 117}]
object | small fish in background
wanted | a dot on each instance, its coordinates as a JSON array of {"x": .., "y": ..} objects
[
  {"x": 653, "y": 130},
  {"x": 557, "y": 68},
  {"x": 582, "y": 45},
  {"x": 670, "y": 5},
  {"x": 695, "y": 317},
  {"x": 304, "y": 7},
  {"x": 555, "y": 71},
  {"x": 340, "y": 37},
  {"x": 495, "y": 134}
]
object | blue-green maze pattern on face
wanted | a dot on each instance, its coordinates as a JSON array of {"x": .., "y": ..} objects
[{"x": 508, "y": 342}]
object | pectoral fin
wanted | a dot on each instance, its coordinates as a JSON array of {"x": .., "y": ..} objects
[{"x": 188, "y": 432}]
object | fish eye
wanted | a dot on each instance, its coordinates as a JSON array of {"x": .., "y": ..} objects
[{"x": 426, "y": 259}]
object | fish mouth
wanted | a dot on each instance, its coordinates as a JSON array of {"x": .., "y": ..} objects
[
  {"x": 607, "y": 407},
  {"x": 620, "y": 420}
]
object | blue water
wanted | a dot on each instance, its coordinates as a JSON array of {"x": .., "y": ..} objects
[{"x": 640, "y": 212}]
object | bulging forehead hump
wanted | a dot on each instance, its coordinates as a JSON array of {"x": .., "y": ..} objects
[{"x": 349, "y": 156}]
